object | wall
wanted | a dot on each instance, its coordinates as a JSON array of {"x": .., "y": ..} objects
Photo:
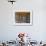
[{"x": 9, "y": 31}]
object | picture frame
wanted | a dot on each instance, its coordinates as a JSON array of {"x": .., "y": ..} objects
[{"x": 23, "y": 18}]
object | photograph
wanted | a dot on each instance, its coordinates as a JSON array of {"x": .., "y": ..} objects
[{"x": 23, "y": 18}]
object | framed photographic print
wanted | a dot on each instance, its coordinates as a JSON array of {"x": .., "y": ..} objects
[{"x": 23, "y": 17}]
